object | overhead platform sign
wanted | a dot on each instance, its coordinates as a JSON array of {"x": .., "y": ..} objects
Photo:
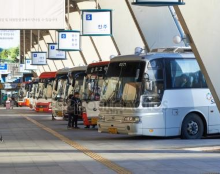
[
  {"x": 32, "y": 14},
  {"x": 158, "y": 2},
  {"x": 69, "y": 40},
  {"x": 39, "y": 58},
  {"x": 29, "y": 66},
  {"x": 97, "y": 22},
  {"x": 3, "y": 68},
  {"x": 55, "y": 54},
  {"x": 22, "y": 69}
]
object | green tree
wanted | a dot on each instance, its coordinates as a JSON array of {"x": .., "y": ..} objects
[
  {"x": 4, "y": 54},
  {"x": 17, "y": 51},
  {"x": 14, "y": 53}
]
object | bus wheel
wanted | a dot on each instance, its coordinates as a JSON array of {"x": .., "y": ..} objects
[{"x": 192, "y": 127}]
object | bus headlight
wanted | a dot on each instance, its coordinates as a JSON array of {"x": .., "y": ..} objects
[
  {"x": 132, "y": 119},
  {"x": 101, "y": 118}
]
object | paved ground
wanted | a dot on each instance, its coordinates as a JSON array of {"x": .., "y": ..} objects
[{"x": 28, "y": 148}]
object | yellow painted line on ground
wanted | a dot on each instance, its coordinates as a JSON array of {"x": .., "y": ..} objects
[{"x": 111, "y": 165}]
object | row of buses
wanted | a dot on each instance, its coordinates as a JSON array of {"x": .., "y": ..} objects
[
  {"x": 161, "y": 93},
  {"x": 49, "y": 92}
]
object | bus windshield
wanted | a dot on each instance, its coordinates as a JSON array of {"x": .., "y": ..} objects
[
  {"x": 28, "y": 87},
  {"x": 34, "y": 90},
  {"x": 92, "y": 87},
  {"x": 22, "y": 93},
  {"x": 78, "y": 86},
  {"x": 60, "y": 89},
  {"x": 48, "y": 90},
  {"x": 45, "y": 88},
  {"x": 122, "y": 86},
  {"x": 40, "y": 90}
]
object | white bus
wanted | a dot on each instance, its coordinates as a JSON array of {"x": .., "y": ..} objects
[
  {"x": 23, "y": 94},
  {"x": 92, "y": 86},
  {"x": 44, "y": 92},
  {"x": 161, "y": 93},
  {"x": 58, "y": 94},
  {"x": 75, "y": 84},
  {"x": 33, "y": 92}
]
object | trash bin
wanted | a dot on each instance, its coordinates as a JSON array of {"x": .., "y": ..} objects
[{"x": 8, "y": 104}]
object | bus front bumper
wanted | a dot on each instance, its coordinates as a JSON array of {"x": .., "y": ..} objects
[
  {"x": 43, "y": 110},
  {"x": 57, "y": 113},
  {"x": 21, "y": 104},
  {"x": 120, "y": 128},
  {"x": 43, "y": 107}
]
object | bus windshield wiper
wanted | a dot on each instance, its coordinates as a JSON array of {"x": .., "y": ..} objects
[
  {"x": 111, "y": 97},
  {"x": 115, "y": 92},
  {"x": 120, "y": 101}
]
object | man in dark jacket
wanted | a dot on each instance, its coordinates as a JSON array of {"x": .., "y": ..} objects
[
  {"x": 76, "y": 110},
  {"x": 69, "y": 115}
]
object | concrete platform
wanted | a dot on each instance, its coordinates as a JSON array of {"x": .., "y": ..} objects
[{"x": 51, "y": 148}]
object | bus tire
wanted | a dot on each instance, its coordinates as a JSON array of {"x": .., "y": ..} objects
[{"x": 192, "y": 127}]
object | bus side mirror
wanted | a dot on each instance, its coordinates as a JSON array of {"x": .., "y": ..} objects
[
  {"x": 60, "y": 100},
  {"x": 148, "y": 82},
  {"x": 45, "y": 85},
  {"x": 56, "y": 85},
  {"x": 146, "y": 77},
  {"x": 74, "y": 82},
  {"x": 149, "y": 85},
  {"x": 137, "y": 74}
]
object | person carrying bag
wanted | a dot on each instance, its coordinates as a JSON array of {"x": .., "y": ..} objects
[{"x": 74, "y": 109}]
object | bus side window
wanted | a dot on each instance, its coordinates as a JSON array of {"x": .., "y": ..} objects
[
  {"x": 184, "y": 73},
  {"x": 202, "y": 80}
]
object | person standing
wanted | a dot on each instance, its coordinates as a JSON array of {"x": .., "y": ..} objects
[
  {"x": 5, "y": 98},
  {"x": 74, "y": 110},
  {"x": 12, "y": 102},
  {"x": 68, "y": 111}
]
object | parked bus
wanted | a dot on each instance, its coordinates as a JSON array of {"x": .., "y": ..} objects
[
  {"x": 44, "y": 92},
  {"x": 92, "y": 91},
  {"x": 23, "y": 94},
  {"x": 33, "y": 92},
  {"x": 162, "y": 93},
  {"x": 28, "y": 87},
  {"x": 59, "y": 87},
  {"x": 75, "y": 84}
]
